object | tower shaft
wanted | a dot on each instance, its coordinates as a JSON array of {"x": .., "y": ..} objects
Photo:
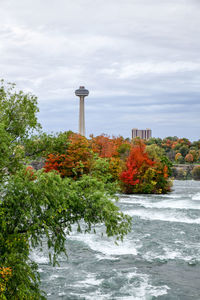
[
  {"x": 82, "y": 93},
  {"x": 82, "y": 116}
]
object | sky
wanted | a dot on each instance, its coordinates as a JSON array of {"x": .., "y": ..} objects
[{"x": 139, "y": 59}]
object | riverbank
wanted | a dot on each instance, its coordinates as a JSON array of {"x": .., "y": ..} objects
[{"x": 183, "y": 171}]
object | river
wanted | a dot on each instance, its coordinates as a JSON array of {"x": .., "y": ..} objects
[{"x": 159, "y": 259}]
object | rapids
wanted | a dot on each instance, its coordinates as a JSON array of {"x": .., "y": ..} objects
[{"x": 159, "y": 259}]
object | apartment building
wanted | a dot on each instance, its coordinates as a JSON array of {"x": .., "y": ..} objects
[{"x": 144, "y": 134}]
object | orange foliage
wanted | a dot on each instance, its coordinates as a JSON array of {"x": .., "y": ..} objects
[
  {"x": 189, "y": 158},
  {"x": 165, "y": 171},
  {"x": 178, "y": 156},
  {"x": 5, "y": 274},
  {"x": 105, "y": 146},
  {"x": 75, "y": 162}
]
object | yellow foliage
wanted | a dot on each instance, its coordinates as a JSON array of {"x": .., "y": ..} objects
[{"x": 5, "y": 274}]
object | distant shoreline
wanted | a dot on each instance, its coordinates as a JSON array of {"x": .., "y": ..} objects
[{"x": 183, "y": 171}]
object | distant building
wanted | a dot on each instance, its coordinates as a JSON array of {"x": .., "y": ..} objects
[{"x": 144, "y": 134}]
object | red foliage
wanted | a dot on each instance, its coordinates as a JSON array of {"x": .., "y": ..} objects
[
  {"x": 165, "y": 172},
  {"x": 30, "y": 173},
  {"x": 137, "y": 162}
]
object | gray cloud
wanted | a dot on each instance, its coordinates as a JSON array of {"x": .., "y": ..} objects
[{"x": 139, "y": 59}]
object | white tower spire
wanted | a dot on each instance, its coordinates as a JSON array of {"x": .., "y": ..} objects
[{"x": 82, "y": 93}]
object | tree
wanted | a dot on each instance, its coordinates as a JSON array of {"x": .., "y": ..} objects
[
  {"x": 154, "y": 152},
  {"x": 43, "y": 144},
  {"x": 39, "y": 207},
  {"x": 195, "y": 154},
  {"x": 47, "y": 207},
  {"x": 184, "y": 150},
  {"x": 178, "y": 157},
  {"x": 107, "y": 147},
  {"x": 75, "y": 161},
  {"x": 17, "y": 118},
  {"x": 196, "y": 173},
  {"x": 17, "y": 111},
  {"x": 146, "y": 171},
  {"x": 152, "y": 141},
  {"x": 189, "y": 158},
  {"x": 137, "y": 163}
]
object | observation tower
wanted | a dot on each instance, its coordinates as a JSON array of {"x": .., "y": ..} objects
[{"x": 82, "y": 93}]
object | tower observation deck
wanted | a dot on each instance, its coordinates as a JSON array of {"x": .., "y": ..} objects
[{"x": 82, "y": 93}]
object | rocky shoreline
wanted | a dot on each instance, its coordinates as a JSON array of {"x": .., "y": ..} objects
[{"x": 183, "y": 171}]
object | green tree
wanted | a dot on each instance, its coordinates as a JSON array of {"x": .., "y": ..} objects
[
  {"x": 47, "y": 207},
  {"x": 184, "y": 150},
  {"x": 157, "y": 141},
  {"x": 17, "y": 119},
  {"x": 41, "y": 145},
  {"x": 38, "y": 207},
  {"x": 17, "y": 111},
  {"x": 154, "y": 152}
]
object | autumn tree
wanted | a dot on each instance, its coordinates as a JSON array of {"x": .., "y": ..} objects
[
  {"x": 145, "y": 175},
  {"x": 75, "y": 161},
  {"x": 195, "y": 154},
  {"x": 178, "y": 157},
  {"x": 105, "y": 146},
  {"x": 189, "y": 158},
  {"x": 137, "y": 163}
]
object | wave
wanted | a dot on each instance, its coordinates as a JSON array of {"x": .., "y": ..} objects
[
  {"x": 39, "y": 257},
  {"x": 179, "y": 204},
  {"x": 137, "y": 286},
  {"x": 140, "y": 287},
  {"x": 184, "y": 204},
  {"x": 162, "y": 216},
  {"x": 88, "y": 281},
  {"x": 170, "y": 254},
  {"x": 107, "y": 246},
  {"x": 150, "y": 197},
  {"x": 196, "y": 197}
]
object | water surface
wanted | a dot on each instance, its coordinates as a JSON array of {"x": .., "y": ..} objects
[{"x": 159, "y": 259}]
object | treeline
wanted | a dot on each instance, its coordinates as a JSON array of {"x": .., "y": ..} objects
[
  {"x": 184, "y": 154},
  {"x": 133, "y": 166},
  {"x": 178, "y": 150}
]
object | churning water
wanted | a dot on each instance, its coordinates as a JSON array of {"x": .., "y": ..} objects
[{"x": 159, "y": 259}]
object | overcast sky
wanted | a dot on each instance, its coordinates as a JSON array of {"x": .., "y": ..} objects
[{"x": 140, "y": 60}]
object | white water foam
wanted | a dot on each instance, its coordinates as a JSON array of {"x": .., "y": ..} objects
[
  {"x": 179, "y": 204},
  {"x": 39, "y": 257},
  {"x": 138, "y": 287},
  {"x": 108, "y": 247},
  {"x": 169, "y": 255},
  {"x": 167, "y": 216},
  {"x": 88, "y": 281},
  {"x": 143, "y": 290},
  {"x": 53, "y": 276},
  {"x": 141, "y": 198},
  {"x": 196, "y": 197}
]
